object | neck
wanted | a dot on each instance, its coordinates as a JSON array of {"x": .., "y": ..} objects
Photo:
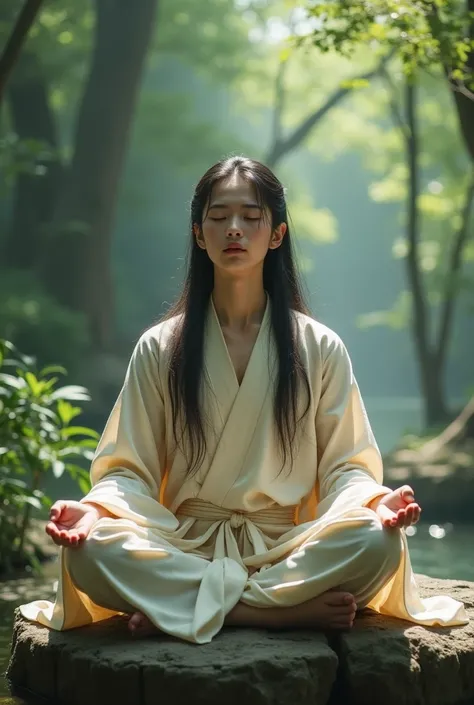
[{"x": 239, "y": 301}]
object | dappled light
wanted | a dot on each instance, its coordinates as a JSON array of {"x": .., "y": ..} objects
[{"x": 110, "y": 114}]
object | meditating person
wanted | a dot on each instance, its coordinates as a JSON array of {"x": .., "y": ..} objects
[{"x": 237, "y": 481}]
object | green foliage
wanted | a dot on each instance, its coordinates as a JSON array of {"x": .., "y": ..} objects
[
  {"x": 168, "y": 123},
  {"x": 36, "y": 437},
  {"x": 422, "y": 33},
  {"x": 318, "y": 225},
  {"x": 61, "y": 35},
  {"x": 210, "y": 36},
  {"x": 396, "y": 318},
  {"x": 444, "y": 179},
  {"x": 22, "y": 157},
  {"x": 33, "y": 320}
]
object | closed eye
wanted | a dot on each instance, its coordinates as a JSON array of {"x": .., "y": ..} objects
[{"x": 224, "y": 218}]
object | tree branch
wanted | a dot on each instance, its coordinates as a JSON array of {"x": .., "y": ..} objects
[
  {"x": 277, "y": 122},
  {"x": 454, "y": 267},
  {"x": 396, "y": 114},
  {"x": 453, "y": 431},
  {"x": 16, "y": 40},
  {"x": 420, "y": 310},
  {"x": 282, "y": 146}
]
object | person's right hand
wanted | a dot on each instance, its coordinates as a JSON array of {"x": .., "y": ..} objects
[{"x": 70, "y": 522}]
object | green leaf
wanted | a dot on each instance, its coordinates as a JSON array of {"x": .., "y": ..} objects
[
  {"x": 34, "y": 384},
  {"x": 67, "y": 412},
  {"x": 79, "y": 450},
  {"x": 86, "y": 443},
  {"x": 11, "y": 381},
  {"x": 48, "y": 384},
  {"x": 397, "y": 317},
  {"x": 13, "y": 481},
  {"x": 76, "y": 471},
  {"x": 79, "y": 431},
  {"x": 44, "y": 410},
  {"x": 52, "y": 369},
  {"x": 58, "y": 468},
  {"x": 71, "y": 393},
  {"x": 84, "y": 485},
  {"x": 34, "y": 501}
]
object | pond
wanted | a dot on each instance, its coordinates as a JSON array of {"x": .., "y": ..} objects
[{"x": 439, "y": 551}]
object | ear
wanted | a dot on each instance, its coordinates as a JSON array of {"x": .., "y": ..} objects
[
  {"x": 199, "y": 236},
  {"x": 277, "y": 236}
]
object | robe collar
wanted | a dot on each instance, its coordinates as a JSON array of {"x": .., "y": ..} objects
[{"x": 234, "y": 410}]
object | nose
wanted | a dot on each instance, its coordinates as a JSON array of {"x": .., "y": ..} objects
[{"x": 234, "y": 228}]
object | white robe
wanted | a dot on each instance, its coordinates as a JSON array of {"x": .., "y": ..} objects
[{"x": 241, "y": 513}]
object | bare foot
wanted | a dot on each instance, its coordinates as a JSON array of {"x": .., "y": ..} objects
[
  {"x": 333, "y": 609},
  {"x": 140, "y": 625}
]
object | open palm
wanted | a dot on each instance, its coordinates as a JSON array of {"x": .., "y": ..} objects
[
  {"x": 70, "y": 522},
  {"x": 399, "y": 509}
]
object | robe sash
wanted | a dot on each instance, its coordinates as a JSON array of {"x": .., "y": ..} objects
[{"x": 225, "y": 521}]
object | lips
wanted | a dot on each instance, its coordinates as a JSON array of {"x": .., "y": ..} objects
[{"x": 237, "y": 248}]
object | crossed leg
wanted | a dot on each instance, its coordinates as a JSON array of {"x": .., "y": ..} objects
[{"x": 321, "y": 585}]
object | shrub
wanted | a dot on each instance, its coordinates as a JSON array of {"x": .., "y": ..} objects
[{"x": 36, "y": 437}]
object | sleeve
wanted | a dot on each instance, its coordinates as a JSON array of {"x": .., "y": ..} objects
[
  {"x": 350, "y": 469},
  {"x": 127, "y": 466}
]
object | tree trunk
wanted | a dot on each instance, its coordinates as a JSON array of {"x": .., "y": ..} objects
[
  {"x": 454, "y": 267},
  {"x": 34, "y": 195},
  {"x": 431, "y": 376},
  {"x": 463, "y": 101},
  {"x": 77, "y": 268},
  {"x": 15, "y": 42},
  {"x": 463, "y": 95},
  {"x": 465, "y": 110},
  {"x": 436, "y": 412}
]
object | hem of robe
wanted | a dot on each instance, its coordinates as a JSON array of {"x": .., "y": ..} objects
[{"x": 398, "y": 598}]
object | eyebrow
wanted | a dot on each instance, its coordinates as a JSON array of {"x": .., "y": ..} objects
[{"x": 244, "y": 205}]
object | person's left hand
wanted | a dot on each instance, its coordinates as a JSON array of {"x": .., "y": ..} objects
[{"x": 398, "y": 509}]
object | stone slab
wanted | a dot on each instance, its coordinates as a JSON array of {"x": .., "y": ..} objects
[
  {"x": 381, "y": 660},
  {"x": 389, "y": 661},
  {"x": 103, "y": 664}
]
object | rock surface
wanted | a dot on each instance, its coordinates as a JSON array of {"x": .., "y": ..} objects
[
  {"x": 381, "y": 660},
  {"x": 384, "y": 660}
]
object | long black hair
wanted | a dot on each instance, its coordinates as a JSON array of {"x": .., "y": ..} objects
[{"x": 281, "y": 282}]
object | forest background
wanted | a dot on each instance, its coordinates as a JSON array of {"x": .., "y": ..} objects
[{"x": 113, "y": 110}]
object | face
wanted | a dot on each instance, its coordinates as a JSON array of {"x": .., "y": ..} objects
[{"x": 235, "y": 232}]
